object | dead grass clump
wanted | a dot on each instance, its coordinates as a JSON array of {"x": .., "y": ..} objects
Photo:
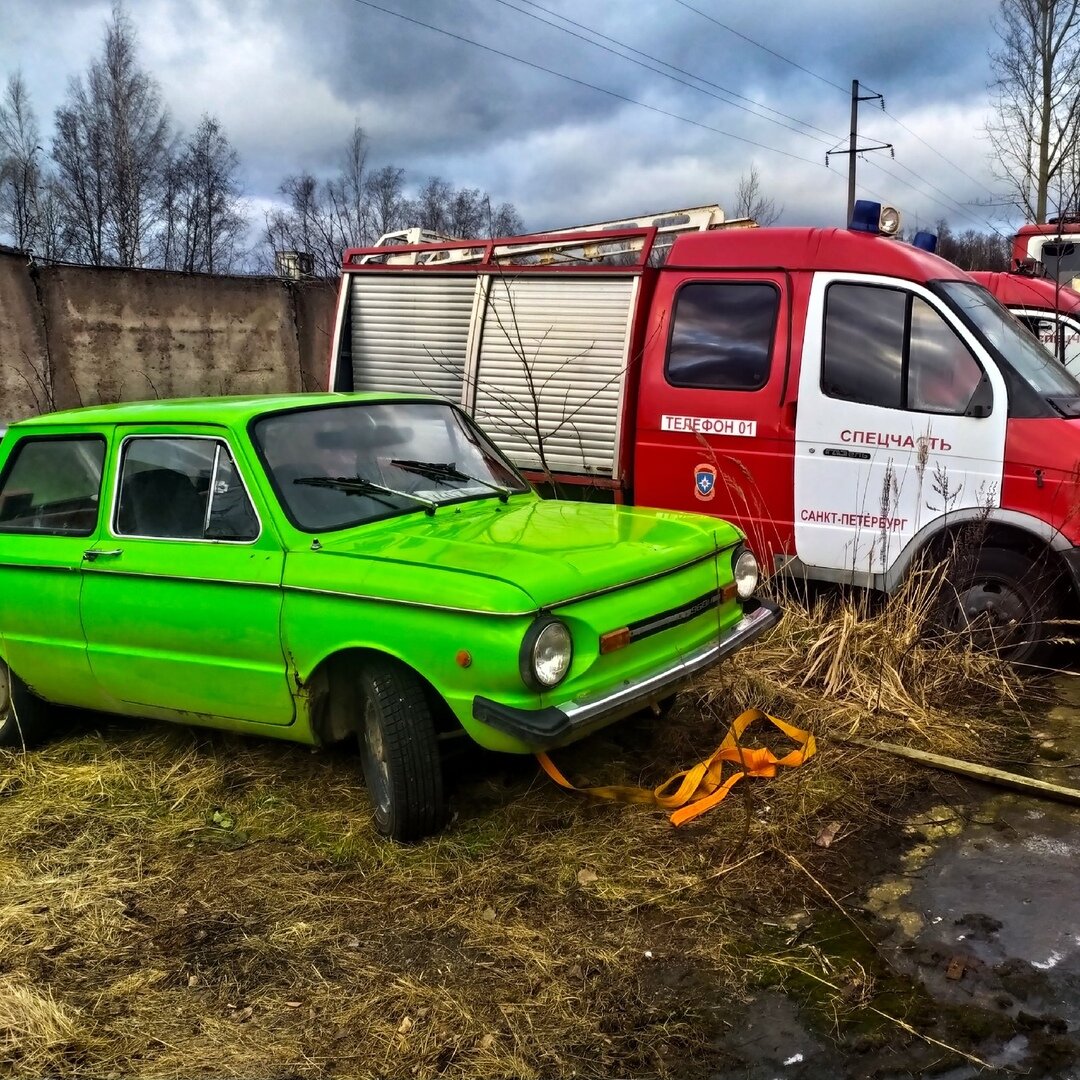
[
  {"x": 865, "y": 665},
  {"x": 38, "y": 1035}
]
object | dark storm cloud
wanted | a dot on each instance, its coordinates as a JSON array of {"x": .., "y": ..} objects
[{"x": 289, "y": 79}]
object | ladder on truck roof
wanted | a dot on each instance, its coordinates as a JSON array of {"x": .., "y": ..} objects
[{"x": 573, "y": 244}]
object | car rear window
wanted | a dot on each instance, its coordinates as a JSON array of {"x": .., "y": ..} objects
[{"x": 53, "y": 486}]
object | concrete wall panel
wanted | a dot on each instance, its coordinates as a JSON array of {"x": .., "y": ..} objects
[
  {"x": 316, "y": 307},
  {"x": 25, "y": 376},
  {"x": 127, "y": 335}
]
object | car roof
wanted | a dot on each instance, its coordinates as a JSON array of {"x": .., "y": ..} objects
[{"x": 226, "y": 411}]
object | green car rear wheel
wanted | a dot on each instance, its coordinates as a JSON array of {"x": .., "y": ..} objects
[{"x": 23, "y": 716}]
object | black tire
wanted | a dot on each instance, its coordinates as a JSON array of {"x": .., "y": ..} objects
[
  {"x": 23, "y": 716},
  {"x": 400, "y": 753},
  {"x": 1002, "y": 600}
]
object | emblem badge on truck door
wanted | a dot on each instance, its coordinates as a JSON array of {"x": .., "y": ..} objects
[{"x": 705, "y": 482}]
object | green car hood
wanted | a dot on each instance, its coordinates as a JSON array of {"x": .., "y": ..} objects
[{"x": 480, "y": 554}]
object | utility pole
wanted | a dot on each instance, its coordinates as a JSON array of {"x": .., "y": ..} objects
[{"x": 853, "y": 142}]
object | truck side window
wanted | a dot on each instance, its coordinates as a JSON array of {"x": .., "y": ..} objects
[
  {"x": 722, "y": 335},
  {"x": 864, "y": 345},
  {"x": 942, "y": 374},
  {"x": 890, "y": 348},
  {"x": 52, "y": 486}
]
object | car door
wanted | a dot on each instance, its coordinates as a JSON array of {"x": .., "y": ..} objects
[
  {"x": 901, "y": 420},
  {"x": 50, "y": 494},
  {"x": 182, "y": 596}
]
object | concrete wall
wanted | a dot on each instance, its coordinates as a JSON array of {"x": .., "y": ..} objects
[
  {"x": 77, "y": 335},
  {"x": 25, "y": 377}
]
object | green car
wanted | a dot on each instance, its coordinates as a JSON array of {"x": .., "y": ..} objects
[{"x": 319, "y": 567}]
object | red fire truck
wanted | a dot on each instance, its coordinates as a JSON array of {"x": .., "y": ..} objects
[
  {"x": 851, "y": 401},
  {"x": 1049, "y": 309}
]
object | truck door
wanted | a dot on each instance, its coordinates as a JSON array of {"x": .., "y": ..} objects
[
  {"x": 901, "y": 420},
  {"x": 712, "y": 435}
]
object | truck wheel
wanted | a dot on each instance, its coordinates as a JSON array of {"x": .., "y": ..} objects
[
  {"x": 1003, "y": 602},
  {"x": 400, "y": 753},
  {"x": 23, "y": 715}
]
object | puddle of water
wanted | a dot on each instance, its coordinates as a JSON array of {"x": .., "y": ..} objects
[{"x": 987, "y": 914}]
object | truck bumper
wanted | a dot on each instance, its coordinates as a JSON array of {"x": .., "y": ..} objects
[{"x": 542, "y": 729}]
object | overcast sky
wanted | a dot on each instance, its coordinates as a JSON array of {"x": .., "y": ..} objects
[{"x": 603, "y": 138}]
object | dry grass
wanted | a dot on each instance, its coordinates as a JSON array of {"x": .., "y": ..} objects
[
  {"x": 866, "y": 665},
  {"x": 187, "y": 904}
]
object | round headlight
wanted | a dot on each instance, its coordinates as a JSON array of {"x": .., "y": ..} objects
[
  {"x": 549, "y": 654},
  {"x": 746, "y": 574},
  {"x": 889, "y": 222}
]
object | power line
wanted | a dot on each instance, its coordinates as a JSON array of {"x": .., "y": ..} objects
[
  {"x": 947, "y": 161},
  {"x": 958, "y": 206},
  {"x": 829, "y": 82},
  {"x": 642, "y": 104},
  {"x": 757, "y": 44},
  {"x": 587, "y": 85},
  {"x": 952, "y": 209},
  {"x": 664, "y": 63}
]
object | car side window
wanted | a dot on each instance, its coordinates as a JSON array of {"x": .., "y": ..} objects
[
  {"x": 182, "y": 489},
  {"x": 722, "y": 335},
  {"x": 53, "y": 486},
  {"x": 890, "y": 348}
]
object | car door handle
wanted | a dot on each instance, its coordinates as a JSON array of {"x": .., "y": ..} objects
[{"x": 94, "y": 553}]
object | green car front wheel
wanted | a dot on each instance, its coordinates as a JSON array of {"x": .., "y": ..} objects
[{"x": 400, "y": 753}]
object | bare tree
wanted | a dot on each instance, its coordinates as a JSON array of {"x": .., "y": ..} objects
[
  {"x": 385, "y": 191},
  {"x": 972, "y": 250},
  {"x": 20, "y": 172},
  {"x": 347, "y": 196},
  {"x": 111, "y": 150},
  {"x": 431, "y": 207},
  {"x": 751, "y": 201},
  {"x": 1037, "y": 91},
  {"x": 202, "y": 221},
  {"x": 52, "y": 241},
  {"x": 357, "y": 206},
  {"x": 305, "y": 224}
]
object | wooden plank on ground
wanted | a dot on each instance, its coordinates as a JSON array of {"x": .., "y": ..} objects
[{"x": 986, "y": 773}]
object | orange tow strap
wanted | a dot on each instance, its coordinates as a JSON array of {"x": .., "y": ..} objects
[{"x": 693, "y": 791}]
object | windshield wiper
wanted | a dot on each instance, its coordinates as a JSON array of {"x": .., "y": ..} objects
[
  {"x": 357, "y": 485},
  {"x": 445, "y": 471}
]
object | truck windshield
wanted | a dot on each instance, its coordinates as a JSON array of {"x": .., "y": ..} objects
[
  {"x": 1031, "y": 361},
  {"x": 338, "y": 466}
]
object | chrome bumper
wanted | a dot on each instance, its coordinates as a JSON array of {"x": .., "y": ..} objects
[{"x": 543, "y": 728}]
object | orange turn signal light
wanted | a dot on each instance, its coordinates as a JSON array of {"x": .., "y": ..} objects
[
  {"x": 730, "y": 592},
  {"x": 615, "y": 639}
]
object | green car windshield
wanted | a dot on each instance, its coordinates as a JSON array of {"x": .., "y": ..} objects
[{"x": 335, "y": 467}]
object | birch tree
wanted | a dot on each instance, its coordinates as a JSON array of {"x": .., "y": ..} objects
[
  {"x": 1036, "y": 98},
  {"x": 20, "y": 167},
  {"x": 111, "y": 152},
  {"x": 202, "y": 218}
]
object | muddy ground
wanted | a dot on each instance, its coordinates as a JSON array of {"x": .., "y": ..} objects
[{"x": 966, "y": 914}]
